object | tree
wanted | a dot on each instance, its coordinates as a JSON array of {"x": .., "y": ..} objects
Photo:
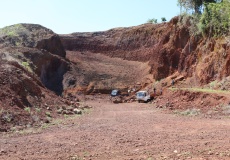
[
  {"x": 163, "y": 19},
  {"x": 195, "y": 5},
  {"x": 153, "y": 20},
  {"x": 215, "y": 20},
  {"x": 209, "y": 17}
]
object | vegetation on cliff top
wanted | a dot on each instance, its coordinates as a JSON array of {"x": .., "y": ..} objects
[
  {"x": 24, "y": 34},
  {"x": 209, "y": 17}
]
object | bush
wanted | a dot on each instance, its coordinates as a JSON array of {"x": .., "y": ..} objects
[
  {"x": 152, "y": 20},
  {"x": 163, "y": 19},
  {"x": 215, "y": 19}
]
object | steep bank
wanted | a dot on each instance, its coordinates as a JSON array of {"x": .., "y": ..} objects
[
  {"x": 98, "y": 73},
  {"x": 37, "y": 47},
  {"x": 167, "y": 47},
  {"x": 32, "y": 68}
]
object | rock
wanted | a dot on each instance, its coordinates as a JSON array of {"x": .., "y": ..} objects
[
  {"x": 59, "y": 111},
  {"x": 64, "y": 112},
  {"x": 47, "y": 121},
  {"x": 67, "y": 112},
  {"x": 210, "y": 153},
  {"x": 3, "y": 130},
  {"x": 2, "y": 151},
  {"x": 77, "y": 111},
  {"x": 87, "y": 106},
  {"x": 70, "y": 108},
  {"x": 175, "y": 151}
]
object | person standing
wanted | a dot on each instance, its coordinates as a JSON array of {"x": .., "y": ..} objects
[{"x": 173, "y": 82}]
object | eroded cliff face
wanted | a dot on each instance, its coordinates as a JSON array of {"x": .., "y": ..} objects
[
  {"x": 37, "y": 47},
  {"x": 159, "y": 44},
  {"x": 167, "y": 47},
  {"x": 32, "y": 68}
]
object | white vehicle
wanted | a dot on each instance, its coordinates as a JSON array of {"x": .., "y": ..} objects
[{"x": 143, "y": 96}]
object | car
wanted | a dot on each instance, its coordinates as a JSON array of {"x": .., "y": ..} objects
[
  {"x": 115, "y": 93},
  {"x": 143, "y": 96}
]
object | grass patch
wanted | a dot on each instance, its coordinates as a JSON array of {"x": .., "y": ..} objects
[
  {"x": 38, "y": 110},
  {"x": 13, "y": 30},
  {"x": 27, "y": 109},
  {"x": 27, "y": 66},
  {"x": 204, "y": 90},
  {"x": 189, "y": 112},
  {"x": 48, "y": 114},
  {"x": 28, "y": 131}
]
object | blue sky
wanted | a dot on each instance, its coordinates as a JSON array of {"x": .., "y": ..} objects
[{"x": 67, "y": 16}]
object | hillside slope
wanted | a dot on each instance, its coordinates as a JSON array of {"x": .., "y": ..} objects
[
  {"x": 166, "y": 47},
  {"x": 32, "y": 67}
]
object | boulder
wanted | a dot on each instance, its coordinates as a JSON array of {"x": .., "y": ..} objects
[{"x": 77, "y": 111}]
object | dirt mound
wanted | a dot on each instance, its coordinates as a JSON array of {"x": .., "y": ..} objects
[
  {"x": 38, "y": 49},
  {"x": 23, "y": 98},
  {"x": 31, "y": 63},
  {"x": 188, "y": 101}
]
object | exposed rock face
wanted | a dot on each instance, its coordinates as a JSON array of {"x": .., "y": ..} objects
[
  {"x": 167, "y": 47},
  {"x": 159, "y": 44},
  {"x": 32, "y": 60},
  {"x": 23, "y": 98},
  {"x": 48, "y": 67},
  {"x": 40, "y": 48}
]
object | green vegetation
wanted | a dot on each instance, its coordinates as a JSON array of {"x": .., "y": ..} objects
[
  {"x": 189, "y": 112},
  {"x": 13, "y": 30},
  {"x": 153, "y": 20},
  {"x": 27, "y": 109},
  {"x": 195, "y": 5},
  {"x": 26, "y": 66},
  {"x": 211, "y": 18},
  {"x": 215, "y": 19},
  {"x": 38, "y": 110},
  {"x": 48, "y": 114},
  {"x": 163, "y": 19},
  {"x": 213, "y": 84},
  {"x": 205, "y": 90}
]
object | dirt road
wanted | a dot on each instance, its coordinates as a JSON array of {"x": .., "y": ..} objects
[{"x": 124, "y": 131}]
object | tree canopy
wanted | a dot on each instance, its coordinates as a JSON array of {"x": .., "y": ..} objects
[
  {"x": 195, "y": 5},
  {"x": 209, "y": 17},
  {"x": 216, "y": 18}
]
